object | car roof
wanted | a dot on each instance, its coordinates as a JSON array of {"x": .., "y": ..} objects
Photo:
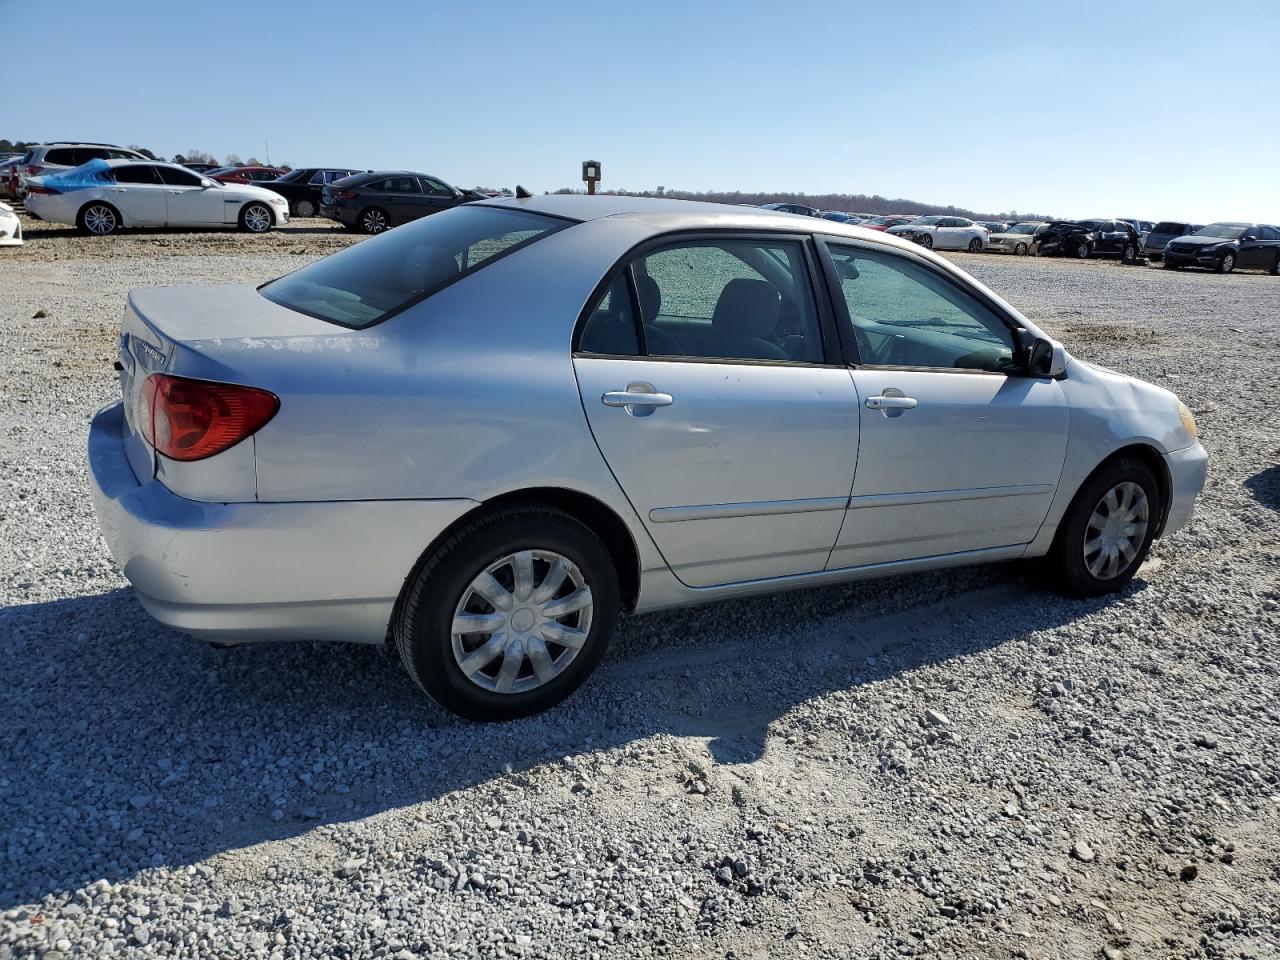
[{"x": 662, "y": 215}]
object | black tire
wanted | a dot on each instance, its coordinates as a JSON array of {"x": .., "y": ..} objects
[
  {"x": 103, "y": 224},
  {"x": 256, "y": 217},
  {"x": 926, "y": 241},
  {"x": 1275, "y": 267},
  {"x": 1130, "y": 252},
  {"x": 1020, "y": 250},
  {"x": 1066, "y": 564},
  {"x": 1169, "y": 266},
  {"x": 975, "y": 245},
  {"x": 1083, "y": 251},
  {"x": 1227, "y": 263},
  {"x": 304, "y": 208},
  {"x": 373, "y": 220},
  {"x": 423, "y": 623}
]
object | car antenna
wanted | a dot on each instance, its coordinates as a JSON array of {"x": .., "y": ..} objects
[{"x": 522, "y": 193}]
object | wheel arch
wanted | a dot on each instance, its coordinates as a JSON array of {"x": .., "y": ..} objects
[
  {"x": 1151, "y": 458},
  {"x": 601, "y": 519},
  {"x": 275, "y": 220},
  {"x": 99, "y": 203}
]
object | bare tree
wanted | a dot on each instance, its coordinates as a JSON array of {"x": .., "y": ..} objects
[
  {"x": 232, "y": 160},
  {"x": 199, "y": 156}
]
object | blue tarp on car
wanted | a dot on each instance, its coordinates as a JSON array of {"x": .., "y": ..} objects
[{"x": 91, "y": 174}]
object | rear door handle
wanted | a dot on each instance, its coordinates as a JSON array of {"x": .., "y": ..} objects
[
  {"x": 639, "y": 399},
  {"x": 891, "y": 403}
]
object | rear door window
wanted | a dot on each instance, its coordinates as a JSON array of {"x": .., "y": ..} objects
[
  {"x": 401, "y": 185},
  {"x": 379, "y": 277},
  {"x": 63, "y": 156},
  {"x": 136, "y": 173}
]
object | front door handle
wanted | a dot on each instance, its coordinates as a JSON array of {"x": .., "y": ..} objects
[
  {"x": 639, "y": 399},
  {"x": 891, "y": 403}
]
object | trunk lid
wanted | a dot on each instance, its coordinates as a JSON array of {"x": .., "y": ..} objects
[{"x": 205, "y": 333}]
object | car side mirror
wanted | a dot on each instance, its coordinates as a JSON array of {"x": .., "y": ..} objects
[
  {"x": 206, "y": 184},
  {"x": 1250, "y": 237},
  {"x": 1047, "y": 359}
]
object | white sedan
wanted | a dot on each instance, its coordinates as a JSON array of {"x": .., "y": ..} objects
[
  {"x": 10, "y": 227},
  {"x": 102, "y": 196},
  {"x": 944, "y": 233}
]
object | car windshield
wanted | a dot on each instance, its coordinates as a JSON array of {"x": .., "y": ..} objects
[
  {"x": 926, "y": 221},
  {"x": 1168, "y": 226},
  {"x": 368, "y": 282},
  {"x": 1024, "y": 228},
  {"x": 1227, "y": 231}
]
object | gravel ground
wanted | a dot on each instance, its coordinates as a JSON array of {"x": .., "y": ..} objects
[{"x": 950, "y": 765}]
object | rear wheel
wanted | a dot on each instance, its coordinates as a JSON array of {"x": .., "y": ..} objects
[
  {"x": 509, "y": 615},
  {"x": 1130, "y": 252},
  {"x": 373, "y": 220},
  {"x": 975, "y": 245},
  {"x": 256, "y": 218},
  {"x": 99, "y": 219},
  {"x": 304, "y": 208},
  {"x": 1275, "y": 267},
  {"x": 1227, "y": 263},
  {"x": 1107, "y": 530}
]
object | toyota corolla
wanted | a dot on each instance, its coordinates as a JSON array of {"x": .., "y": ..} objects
[{"x": 484, "y": 435}]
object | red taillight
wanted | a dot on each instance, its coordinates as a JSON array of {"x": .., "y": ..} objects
[
  {"x": 193, "y": 419},
  {"x": 344, "y": 194},
  {"x": 36, "y": 188}
]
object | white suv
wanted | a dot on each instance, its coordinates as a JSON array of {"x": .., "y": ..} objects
[{"x": 59, "y": 156}]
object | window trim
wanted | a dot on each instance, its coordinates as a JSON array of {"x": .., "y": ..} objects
[
  {"x": 845, "y": 322},
  {"x": 827, "y": 326}
]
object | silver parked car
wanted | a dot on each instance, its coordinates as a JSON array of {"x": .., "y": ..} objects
[{"x": 486, "y": 433}]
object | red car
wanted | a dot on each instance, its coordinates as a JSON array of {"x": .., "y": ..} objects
[
  {"x": 884, "y": 223},
  {"x": 245, "y": 174}
]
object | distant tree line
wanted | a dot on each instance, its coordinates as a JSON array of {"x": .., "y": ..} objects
[{"x": 847, "y": 202}]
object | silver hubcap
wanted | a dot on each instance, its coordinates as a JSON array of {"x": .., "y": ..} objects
[
  {"x": 1020, "y": 249},
  {"x": 1227, "y": 263},
  {"x": 257, "y": 219},
  {"x": 374, "y": 222},
  {"x": 522, "y": 621},
  {"x": 305, "y": 208},
  {"x": 99, "y": 220},
  {"x": 1116, "y": 531}
]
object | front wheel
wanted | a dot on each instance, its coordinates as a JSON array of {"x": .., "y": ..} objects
[
  {"x": 509, "y": 615},
  {"x": 926, "y": 241},
  {"x": 1020, "y": 250},
  {"x": 1107, "y": 530},
  {"x": 304, "y": 208},
  {"x": 1082, "y": 251},
  {"x": 256, "y": 218},
  {"x": 1227, "y": 263},
  {"x": 975, "y": 245}
]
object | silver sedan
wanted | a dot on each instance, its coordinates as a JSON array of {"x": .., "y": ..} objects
[{"x": 486, "y": 434}]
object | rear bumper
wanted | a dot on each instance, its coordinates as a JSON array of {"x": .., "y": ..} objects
[
  {"x": 1187, "y": 470},
  {"x": 237, "y": 572}
]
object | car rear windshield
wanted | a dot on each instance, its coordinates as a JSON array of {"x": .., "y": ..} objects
[
  {"x": 385, "y": 274},
  {"x": 1168, "y": 226}
]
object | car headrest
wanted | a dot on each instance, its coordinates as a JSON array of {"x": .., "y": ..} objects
[
  {"x": 650, "y": 297},
  {"x": 747, "y": 308},
  {"x": 426, "y": 267}
]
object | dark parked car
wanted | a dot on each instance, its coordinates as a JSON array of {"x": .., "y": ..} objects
[
  {"x": 254, "y": 174},
  {"x": 1226, "y": 246},
  {"x": 1162, "y": 233},
  {"x": 1085, "y": 238},
  {"x": 302, "y": 187},
  {"x": 799, "y": 208},
  {"x": 376, "y": 201}
]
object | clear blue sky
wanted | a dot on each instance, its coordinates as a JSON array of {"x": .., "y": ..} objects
[{"x": 1157, "y": 110}]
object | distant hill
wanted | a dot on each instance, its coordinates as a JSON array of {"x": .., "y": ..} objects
[{"x": 848, "y": 202}]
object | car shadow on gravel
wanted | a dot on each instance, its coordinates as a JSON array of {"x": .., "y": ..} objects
[
  {"x": 129, "y": 746},
  {"x": 1265, "y": 487}
]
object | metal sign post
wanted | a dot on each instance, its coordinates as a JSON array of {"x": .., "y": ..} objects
[{"x": 591, "y": 174}]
